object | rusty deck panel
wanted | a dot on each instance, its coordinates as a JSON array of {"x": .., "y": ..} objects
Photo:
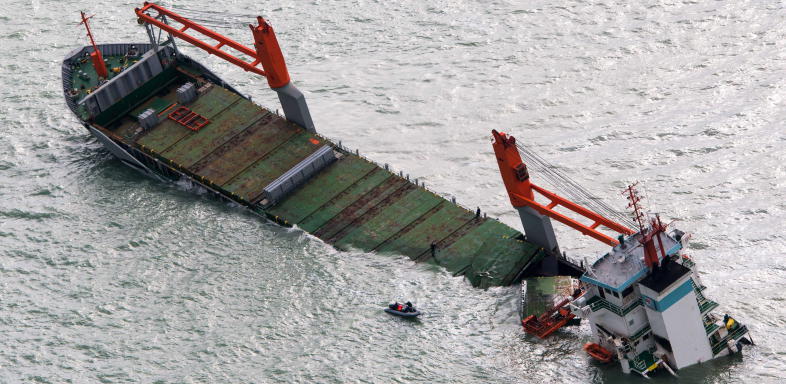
[
  {"x": 221, "y": 129},
  {"x": 262, "y": 138},
  {"x": 211, "y": 104},
  {"x": 249, "y": 183},
  {"x": 385, "y": 222},
  {"x": 323, "y": 188},
  {"x": 347, "y": 197},
  {"x": 416, "y": 239},
  {"x": 352, "y": 203}
]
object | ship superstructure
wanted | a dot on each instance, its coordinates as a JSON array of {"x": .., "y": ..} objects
[
  {"x": 645, "y": 303},
  {"x": 644, "y": 298}
]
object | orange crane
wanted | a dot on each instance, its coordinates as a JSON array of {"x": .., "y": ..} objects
[
  {"x": 266, "y": 49},
  {"x": 266, "y": 52},
  {"x": 522, "y": 192},
  {"x": 534, "y": 217}
]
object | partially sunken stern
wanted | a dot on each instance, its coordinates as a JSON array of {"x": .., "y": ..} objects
[{"x": 654, "y": 317}]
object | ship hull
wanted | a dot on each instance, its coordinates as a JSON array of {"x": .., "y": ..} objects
[
  {"x": 133, "y": 158},
  {"x": 344, "y": 199}
]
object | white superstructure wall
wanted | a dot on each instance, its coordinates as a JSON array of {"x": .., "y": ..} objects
[{"x": 674, "y": 315}]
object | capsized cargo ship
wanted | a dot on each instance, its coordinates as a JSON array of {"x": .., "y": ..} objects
[
  {"x": 644, "y": 299},
  {"x": 167, "y": 116}
]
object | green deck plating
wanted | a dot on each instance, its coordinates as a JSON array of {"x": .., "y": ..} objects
[{"x": 351, "y": 204}]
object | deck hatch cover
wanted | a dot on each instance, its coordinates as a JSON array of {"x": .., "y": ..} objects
[{"x": 298, "y": 174}]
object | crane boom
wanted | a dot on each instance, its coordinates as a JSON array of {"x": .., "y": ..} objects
[
  {"x": 264, "y": 59},
  {"x": 522, "y": 191},
  {"x": 220, "y": 40}
]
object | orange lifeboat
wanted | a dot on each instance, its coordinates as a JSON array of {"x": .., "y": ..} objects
[
  {"x": 549, "y": 321},
  {"x": 598, "y": 353}
]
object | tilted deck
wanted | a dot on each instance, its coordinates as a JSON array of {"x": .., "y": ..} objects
[{"x": 351, "y": 204}]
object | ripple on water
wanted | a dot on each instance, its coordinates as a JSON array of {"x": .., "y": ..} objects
[{"x": 111, "y": 277}]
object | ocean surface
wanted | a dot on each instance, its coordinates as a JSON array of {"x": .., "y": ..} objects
[{"x": 107, "y": 276}]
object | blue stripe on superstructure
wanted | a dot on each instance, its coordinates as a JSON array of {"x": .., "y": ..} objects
[
  {"x": 670, "y": 299},
  {"x": 592, "y": 281},
  {"x": 674, "y": 249}
]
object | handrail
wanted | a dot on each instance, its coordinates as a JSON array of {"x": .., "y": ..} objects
[
  {"x": 733, "y": 335},
  {"x": 597, "y": 303}
]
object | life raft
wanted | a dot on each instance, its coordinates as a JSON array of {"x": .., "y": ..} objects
[{"x": 598, "y": 353}]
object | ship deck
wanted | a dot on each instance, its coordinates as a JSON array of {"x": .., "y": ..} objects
[{"x": 353, "y": 203}]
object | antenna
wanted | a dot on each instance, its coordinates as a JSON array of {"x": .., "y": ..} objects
[
  {"x": 655, "y": 229},
  {"x": 97, "y": 58},
  {"x": 633, "y": 202}
]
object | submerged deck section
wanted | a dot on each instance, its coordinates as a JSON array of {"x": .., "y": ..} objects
[
  {"x": 540, "y": 294},
  {"x": 351, "y": 203}
]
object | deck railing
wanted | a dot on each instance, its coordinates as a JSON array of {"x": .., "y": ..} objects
[
  {"x": 733, "y": 335},
  {"x": 641, "y": 332},
  {"x": 707, "y": 305},
  {"x": 597, "y": 303}
]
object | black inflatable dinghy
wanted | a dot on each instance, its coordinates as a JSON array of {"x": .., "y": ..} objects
[
  {"x": 406, "y": 310},
  {"x": 416, "y": 313}
]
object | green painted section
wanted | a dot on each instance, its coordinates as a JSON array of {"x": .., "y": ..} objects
[
  {"x": 344, "y": 199},
  {"x": 416, "y": 240},
  {"x": 256, "y": 142},
  {"x": 85, "y": 75},
  {"x": 159, "y": 104},
  {"x": 734, "y": 334},
  {"x": 542, "y": 292},
  {"x": 249, "y": 183},
  {"x": 458, "y": 257},
  {"x": 352, "y": 203},
  {"x": 499, "y": 260},
  {"x": 169, "y": 132},
  {"x": 389, "y": 221},
  {"x": 644, "y": 362},
  {"x": 596, "y": 303},
  {"x": 128, "y": 128},
  {"x": 214, "y": 101},
  {"x": 323, "y": 188},
  {"x": 234, "y": 120},
  {"x": 362, "y": 209},
  {"x": 163, "y": 136},
  {"x": 136, "y": 97}
]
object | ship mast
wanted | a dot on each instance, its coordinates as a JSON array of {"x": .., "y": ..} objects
[
  {"x": 96, "y": 57},
  {"x": 648, "y": 234},
  {"x": 633, "y": 202}
]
